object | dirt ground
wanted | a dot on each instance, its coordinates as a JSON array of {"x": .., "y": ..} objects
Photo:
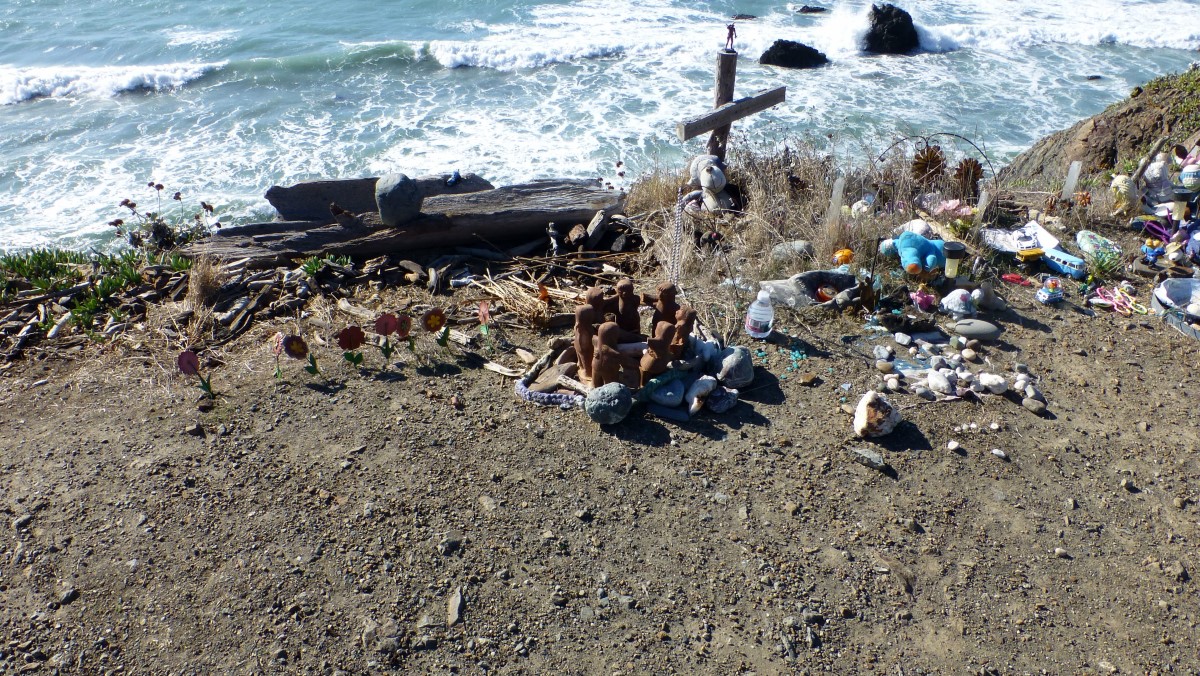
[{"x": 311, "y": 528}]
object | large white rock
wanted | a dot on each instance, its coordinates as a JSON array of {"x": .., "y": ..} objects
[
  {"x": 875, "y": 416},
  {"x": 995, "y": 384},
  {"x": 939, "y": 383}
]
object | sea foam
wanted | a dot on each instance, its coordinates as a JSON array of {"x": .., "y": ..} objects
[{"x": 24, "y": 84}]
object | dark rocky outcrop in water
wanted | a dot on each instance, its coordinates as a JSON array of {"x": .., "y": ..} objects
[
  {"x": 891, "y": 31},
  {"x": 789, "y": 54}
]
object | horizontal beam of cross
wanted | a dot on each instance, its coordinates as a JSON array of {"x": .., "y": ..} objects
[{"x": 726, "y": 114}]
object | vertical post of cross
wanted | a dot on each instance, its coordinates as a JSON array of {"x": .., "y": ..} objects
[{"x": 726, "y": 73}]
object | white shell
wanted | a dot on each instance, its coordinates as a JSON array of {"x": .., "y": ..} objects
[{"x": 698, "y": 391}]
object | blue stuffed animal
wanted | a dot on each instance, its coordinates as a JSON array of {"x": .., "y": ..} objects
[{"x": 917, "y": 254}]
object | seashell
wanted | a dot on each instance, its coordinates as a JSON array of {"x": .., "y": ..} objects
[{"x": 698, "y": 391}]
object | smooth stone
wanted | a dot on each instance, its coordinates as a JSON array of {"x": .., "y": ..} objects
[
  {"x": 608, "y": 404},
  {"x": 939, "y": 383},
  {"x": 902, "y": 339},
  {"x": 398, "y": 198},
  {"x": 953, "y": 445},
  {"x": 869, "y": 458},
  {"x": 797, "y": 248},
  {"x": 938, "y": 363},
  {"x": 885, "y": 366},
  {"x": 924, "y": 393},
  {"x": 1021, "y": 368},
  {"x": 969, "y": 354},
  {"x": 1033, "y": 405},
  {"x": 721, "y": 400},
  {"x": 669, "y": 395},
  {"x": 976, "y": 329},
  {"x": 1033, "y": 392},
  {"x": 883, "y": 352},
  {"x": 737, "y": 367},
  {"x": 994, "y": 383}
]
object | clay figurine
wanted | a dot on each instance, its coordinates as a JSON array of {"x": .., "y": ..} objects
[
  {"x": 628, "y": 303},
  {"x": 606, "y": 362},
  {"x": 658, "y": 352},
  {"x": 602, "y": 304},
  {"x": 685, "y": 321},
  {"x": 664, "y": 303},
  {"x": 585, "y": 333}
]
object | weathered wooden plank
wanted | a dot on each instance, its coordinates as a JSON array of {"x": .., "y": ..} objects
[
  {"x": 718, "y": 141},
  {"x": 309, "y": 200},
  {"x": 504, "y": 214},
  {"x": 730, "y": 112}
]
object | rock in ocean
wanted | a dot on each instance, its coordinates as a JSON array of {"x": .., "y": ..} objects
[
  {"x": 891, "y": 32},
  {"x": 790, "y": 54}
]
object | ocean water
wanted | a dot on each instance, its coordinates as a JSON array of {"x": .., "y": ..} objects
[{"x": 227, "y": 98}]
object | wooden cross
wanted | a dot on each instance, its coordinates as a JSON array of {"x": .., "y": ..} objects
[{"x": 726, "y": 110}]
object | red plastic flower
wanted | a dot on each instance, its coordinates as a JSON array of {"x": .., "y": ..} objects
[
  {"x": 387, "y": 324},
  {"x": 433, "y": 320},
  {"x": 405, "y": 327},
  {"x": 188, "y": 363},
  {"x": 295, "y": 347},
  {"x": 351, "y": 338}
]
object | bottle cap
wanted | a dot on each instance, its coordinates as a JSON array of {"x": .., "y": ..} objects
[{"x": 764, "y": 296}]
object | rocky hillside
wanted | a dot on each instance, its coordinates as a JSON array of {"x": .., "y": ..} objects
[{"x": 1167, "y": 106}]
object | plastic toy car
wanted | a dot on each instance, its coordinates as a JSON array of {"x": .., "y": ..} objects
[{"x": 1051, "y": 291}]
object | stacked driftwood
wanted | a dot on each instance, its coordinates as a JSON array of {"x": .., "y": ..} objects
[{"x": 480, "y": 218}]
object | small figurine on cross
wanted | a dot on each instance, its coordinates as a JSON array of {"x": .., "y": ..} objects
[{"x": 732, "y": 33}]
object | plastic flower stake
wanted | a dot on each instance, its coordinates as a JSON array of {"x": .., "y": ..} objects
[
  {"x": 277, "y": 350},
  {"x": 296, "y": 348},
  {"x": 350, "y": 339},
  {"x": 485, "y": 316},
  {"x": 386, "y": 325},
  {"x": 434, "y": 321},
  {"x": 189, "y": 365}
]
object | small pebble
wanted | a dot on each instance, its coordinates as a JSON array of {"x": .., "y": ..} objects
[
  {"x": 885, "y": 366},
  {"x": 903, "y": 339},
  {"x": 1021, "y": 368},
  {"x": 969, "y": 354},
  {"x": 1060, "y": 553},
  {"x": 953, "y": 445},
  {"x": 999, "y": 454},
  {"x": 1033, "y": 405}
]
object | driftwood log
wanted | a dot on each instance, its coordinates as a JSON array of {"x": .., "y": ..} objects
[
  {"x": 516, "y": 212},
  {"x": 310, "y": 200}
]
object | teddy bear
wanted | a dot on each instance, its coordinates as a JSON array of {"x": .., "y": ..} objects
[{"x": 917, "y": 254}]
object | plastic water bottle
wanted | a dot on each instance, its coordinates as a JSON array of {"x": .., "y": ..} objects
[{"x": 760, "y": 316}]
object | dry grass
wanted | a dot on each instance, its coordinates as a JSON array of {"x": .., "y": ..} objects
[{"x": 786, "y": 191}]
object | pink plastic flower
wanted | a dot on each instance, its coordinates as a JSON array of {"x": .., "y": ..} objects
[{"x": 188, "y": 363}]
